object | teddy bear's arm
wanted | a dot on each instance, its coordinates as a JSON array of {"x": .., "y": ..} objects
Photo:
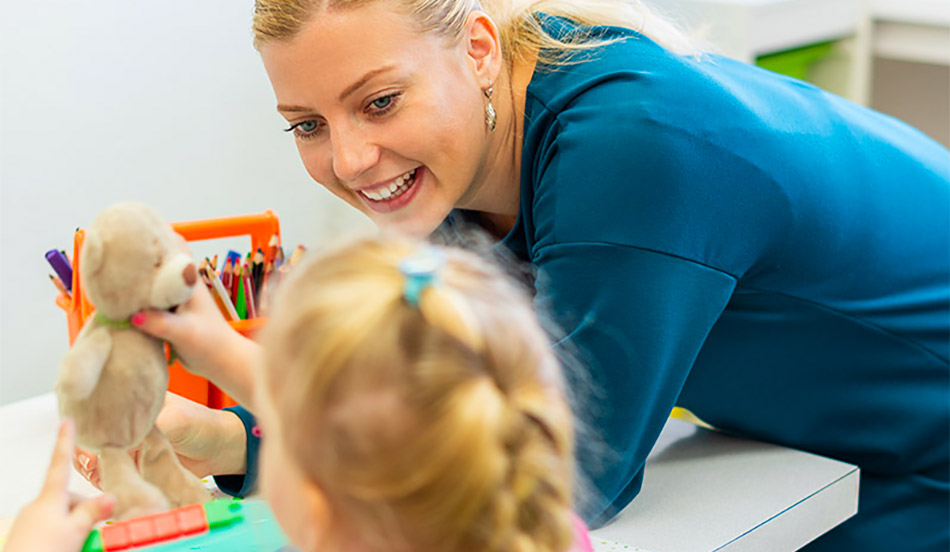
[{"x": 82, "y": 365}]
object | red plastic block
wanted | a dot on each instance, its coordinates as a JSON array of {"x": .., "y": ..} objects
[
  {"x": 145, "y": 530},
  {"x": 165, "y": 527},
  {"x": 191, "y": 519},
  {"x": 142, "y": 531},
  {"x": 115, "y": 537}
]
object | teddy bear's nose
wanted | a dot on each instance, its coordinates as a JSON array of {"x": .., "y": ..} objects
[{"x": 190, "y": 274}]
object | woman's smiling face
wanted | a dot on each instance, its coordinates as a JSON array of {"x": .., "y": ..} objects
[{"x": 389, "y": 119}]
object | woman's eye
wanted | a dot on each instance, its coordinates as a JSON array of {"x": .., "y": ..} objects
[
  {"x": 304, "y": 129},
  {"x": 382, "y": 105}
]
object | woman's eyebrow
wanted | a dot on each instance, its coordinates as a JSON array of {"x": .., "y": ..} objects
[
  {"x": 292, "y": 108},
  {"x": 364, "y": 79},
  {"x": 349, "y": 90}
]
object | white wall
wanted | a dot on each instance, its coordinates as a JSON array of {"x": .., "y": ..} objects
[{"x": 162, "y": 102}]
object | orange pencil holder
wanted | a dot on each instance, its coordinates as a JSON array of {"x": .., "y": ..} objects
[{"x": 260, "y": 227}]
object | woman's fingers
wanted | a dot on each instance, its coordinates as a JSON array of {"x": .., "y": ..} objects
[
  {"x": 161, "y": 324},
  {"x": 191, "y": 329}
]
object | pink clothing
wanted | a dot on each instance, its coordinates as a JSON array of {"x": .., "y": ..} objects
[{"x": 581, "y": 538}]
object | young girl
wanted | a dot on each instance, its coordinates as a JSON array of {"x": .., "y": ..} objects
[{"x": 411, "y": 402}]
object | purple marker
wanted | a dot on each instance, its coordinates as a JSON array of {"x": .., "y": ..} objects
[{"x": 61, "y": 265}]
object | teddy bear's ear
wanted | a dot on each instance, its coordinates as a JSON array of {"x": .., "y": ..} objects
[{"x": 91, "y": 254}]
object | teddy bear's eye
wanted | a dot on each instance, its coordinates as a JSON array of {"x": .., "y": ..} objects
[{"x": 158, "y": 262}]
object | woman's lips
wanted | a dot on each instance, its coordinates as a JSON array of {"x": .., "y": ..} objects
[{"x": 399, "y": 199}]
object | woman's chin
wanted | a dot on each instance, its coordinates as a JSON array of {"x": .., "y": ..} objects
[{"x": 414, "y": 225}]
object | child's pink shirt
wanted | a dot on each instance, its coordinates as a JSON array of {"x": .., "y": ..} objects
[{"x": 581, "y": 538}]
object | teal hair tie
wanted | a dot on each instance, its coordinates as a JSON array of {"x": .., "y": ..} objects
[{"x": 421, "y": 271}]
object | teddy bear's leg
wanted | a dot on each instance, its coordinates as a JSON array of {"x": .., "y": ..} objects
[
  {"x": 133, "y": 496},
  {"x": 160, "y": 466}
]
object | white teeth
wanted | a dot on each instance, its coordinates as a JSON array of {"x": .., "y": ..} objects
[{"x": 395, "y": 189}]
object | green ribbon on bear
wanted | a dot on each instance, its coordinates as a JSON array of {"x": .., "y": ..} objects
[{"x": 104, "y": 320}]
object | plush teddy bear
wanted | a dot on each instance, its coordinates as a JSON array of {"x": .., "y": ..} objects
[{"x": 112, "y": 382}]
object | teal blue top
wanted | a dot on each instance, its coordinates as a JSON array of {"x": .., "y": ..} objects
[{"x": 770, "y": 256}]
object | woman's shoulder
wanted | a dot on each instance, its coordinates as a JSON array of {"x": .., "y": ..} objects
[{"x": 626, "y": 61}]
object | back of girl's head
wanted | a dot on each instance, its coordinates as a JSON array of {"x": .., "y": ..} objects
[{"x": 437, "y": 426}]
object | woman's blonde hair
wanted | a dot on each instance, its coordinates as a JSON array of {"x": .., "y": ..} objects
[
  {"x": 520, "y": 32},
  {"x": 442, "y": 426}
]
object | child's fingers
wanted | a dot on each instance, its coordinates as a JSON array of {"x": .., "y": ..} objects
[
  {"x": 57, "y": 477},
  {"x": 85, "y": 461},
  {"x": 87, "y": 464},
  {"x": 90, "y": 512}
]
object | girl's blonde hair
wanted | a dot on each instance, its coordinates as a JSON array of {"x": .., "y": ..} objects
[
  {"x": 520, "y": 32},
  {"x": 442, "y": 426}
]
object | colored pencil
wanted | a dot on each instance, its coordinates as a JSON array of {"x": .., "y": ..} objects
[
  {"x": 235, "y": 282},
  {"x": 267, "y": 289},
  {"x": 241, "y": 302},
  {"x": 227, "y": 273},
  {"x": 272, "y": 247},
  {"x": 218, "y": 294},
  {"x": 297, "y": 255},
  {"x": 249, "y": 293},
  {"x": 59, "y": 284}
]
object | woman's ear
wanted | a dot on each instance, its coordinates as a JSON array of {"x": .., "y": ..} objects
[{"x": 482, "y": 45}]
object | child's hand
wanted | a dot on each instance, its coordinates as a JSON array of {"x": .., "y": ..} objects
[
  {"x": 207, "y": 441},
  {"x": 57, "y": 521}
]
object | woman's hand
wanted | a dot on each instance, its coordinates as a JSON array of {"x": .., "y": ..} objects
[
  {"x": 207, "y": 441},
  {"x": 196, "y": 330},
  {"x": 58, "y": 521},
  {"x": 205, "y": 343}
]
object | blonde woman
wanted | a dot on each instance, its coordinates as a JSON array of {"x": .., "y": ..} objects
[
  {"x": 409, "y": 401},
  {"x": 709, "y": 234}
]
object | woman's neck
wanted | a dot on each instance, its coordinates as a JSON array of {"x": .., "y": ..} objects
[{"x": 501, "y": 181}]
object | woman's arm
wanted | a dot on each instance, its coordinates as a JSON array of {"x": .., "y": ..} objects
[{"x": 635, "y": 321}]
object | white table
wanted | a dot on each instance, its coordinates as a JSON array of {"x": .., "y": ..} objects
[{"x": 703, "y": 491}]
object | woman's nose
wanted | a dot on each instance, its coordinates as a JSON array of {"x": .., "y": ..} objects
[{"x": 353, "y": 154}]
